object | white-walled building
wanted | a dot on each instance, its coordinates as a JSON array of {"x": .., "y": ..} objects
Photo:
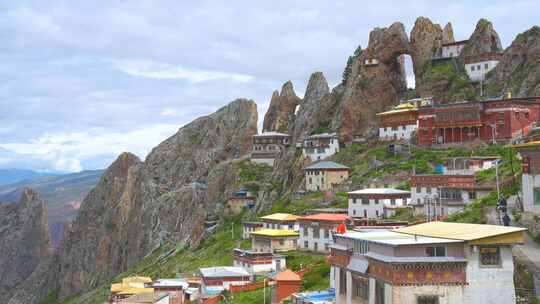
[
  {"x": 398, "y": 123},
  {"x": 320, "y": 146},
  {"x": 433, "y": 263},
  {"x": 258, "y": 262},
  {"x": 316, "y": 230},
  {"x": 478, "y": 66},
  {"x": 267, "y": 146},
  {"x": 530, "y": 179},
  {"x": 444, "y": 194},
  {"x": 452, "y": 49},
  {"x": 371, "y": 202},
  {"x": 217, "y": 279},
  {"x": 324, "y": 175},
  {"x": 284, "y": 221},
  {"x": 249, "y": 227}
]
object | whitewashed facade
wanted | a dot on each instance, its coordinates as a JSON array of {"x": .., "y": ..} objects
[
  {"x": 320, "y": 146},
  {"x": 477, "y": 70},
  {"x": 371, "y": 202},
  {"x": 453, "y": 49}
]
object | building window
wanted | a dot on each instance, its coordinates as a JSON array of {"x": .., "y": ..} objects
[
  {"x": 428, "y": 189},
  {"x": 354, "y": 212},
  {"x": 536, "y": 194},
  {"x": 418, "y": 189},
  {"x": 365, "y": 201},
  {"x": 306, "y": 244},
  {"x": 486, "y": 66},
  {"x": 326, "y": 246},
  {"x": 427, "y": 300},
  {"x": 305, "y": 231},
  {"x": 472, "y": 195},
  {"x": 316, "y": 233},
  {"x": 478, "y": 67},
  {"x": 315, "y": 246},
  {"x": 326, "y": 233},
  {"x": 281, "y": 242},
  {"x": 490, "y": 256},
  {"x": 360, "y": 287},
  {"x": 501, "y": 116},
  {"x": 393, "y": 201},
  {"x": 436, "y": 251},
  {"x": 376, "y": 201},
  {"x": 472, "y": 68},
  {"x": 376, "y": 212},
  {"x": 365, "y": 213}
]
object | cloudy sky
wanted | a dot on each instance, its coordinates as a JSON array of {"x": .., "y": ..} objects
[{"x": 82, "y": 81}]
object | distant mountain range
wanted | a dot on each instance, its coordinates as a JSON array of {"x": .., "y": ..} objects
[
  {"x": 11, "y": 176},
  {"x": 62, "y": 193}
]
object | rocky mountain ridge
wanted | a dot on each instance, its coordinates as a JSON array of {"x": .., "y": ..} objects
[
  {"x": 184, "y": 181},
  {"x": 24, "y": 241}
]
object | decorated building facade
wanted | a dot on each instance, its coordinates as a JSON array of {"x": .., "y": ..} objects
[
  {"x": 497, "y": 120},
  {"x": 320, "y": 146},
  {"x": 435, "y": 262},
  {"x": 267, "y": 146}
]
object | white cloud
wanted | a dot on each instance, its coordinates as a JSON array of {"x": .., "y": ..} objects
[
  {"x": 169, "y": 112},
  {"x": 69, "y": 150},
  {"x": 159, "y": 70}
]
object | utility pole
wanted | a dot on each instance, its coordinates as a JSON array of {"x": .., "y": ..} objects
[
  {"x": 264, "y": 290},
  {"x": 497, "y": 179},
  {"x": 493, "y": 131}
]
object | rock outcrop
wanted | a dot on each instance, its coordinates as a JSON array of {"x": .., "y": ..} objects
[
  {"x": 372, "y": 86},
  {"x": 24, "y": 241},
  {"x": 519, "y": 69},
  {"x": 426, "y": 40},
  {"x": 280, "y": 114},
  {"x": 483, "y": 40},
  {"x": 139, "y": 205},
  {"x": 448, "y": 33}
]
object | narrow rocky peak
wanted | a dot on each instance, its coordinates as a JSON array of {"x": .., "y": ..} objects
[
  {"x": 518, "y": 70},
  {"x": 317, "y": 87},
  {"x": 484, "y": 39},
  {"x": 448, "y": 33},
  {"x": 426, "y": 40},
  {"x": 280, "y": 114},
  {"x": 24, "y": 241},
  {"x": 388, "y": 43}
]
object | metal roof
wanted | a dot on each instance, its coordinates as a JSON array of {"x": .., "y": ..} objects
[
  {"x": 380, "y": 191},
  {"x": 321, "y": 135},
  {"x": 392, "y": 238},
  {"x": 223, "y": 271},
  {"x": 171, "y": 283},
  {"x": 275, "y": 232},
  {"x": 458, "y": 231},
  {"x": 325, "y": 164}
]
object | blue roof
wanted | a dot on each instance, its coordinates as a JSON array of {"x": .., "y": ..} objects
[
  {"x": 317, "y": 296},
  {"x": 325, "y": 164}
]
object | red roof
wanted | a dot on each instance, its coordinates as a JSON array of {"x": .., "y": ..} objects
[
  {"x": 329, "y": 217},
  {"x": 288, "y": 275}
]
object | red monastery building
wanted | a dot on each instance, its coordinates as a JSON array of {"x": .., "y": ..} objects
[{"x": 499, "y": 120}]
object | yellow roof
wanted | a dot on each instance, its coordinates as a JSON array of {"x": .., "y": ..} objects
[
  {"x": 135, "y": 279},
  {"x": 135, "y": 290},
  {"x": 528, "y": 145},
  {"x": 404, "y": 107},
  {"x": 475, "y": 234},
  {"x": 275, "y": 232},
  {"x": 280, "y": 217},
  {"x": 130, "y": 284}
]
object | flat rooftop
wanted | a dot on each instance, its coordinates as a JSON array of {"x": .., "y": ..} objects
[{"x": 391, "y": 238}]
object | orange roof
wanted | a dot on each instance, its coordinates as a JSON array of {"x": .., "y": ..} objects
[
  {"x": 288, "y": 275},
  {"x": 329, "y": 217}
]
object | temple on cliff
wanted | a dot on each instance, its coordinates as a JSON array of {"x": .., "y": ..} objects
[{"x": 495, "y": 120}]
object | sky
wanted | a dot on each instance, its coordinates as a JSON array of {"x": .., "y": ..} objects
[{"x": 83, "y": 81}]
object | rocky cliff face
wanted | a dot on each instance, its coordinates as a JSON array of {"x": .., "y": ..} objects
[
  {"x": 448, "y": 33},
  {"x": 24, "y": 241},
  {"x": 519, "y": 69},
  {"x": 138, "y": 205},
  {"x": 280, "y": 114},
  {"x": 426, "y": 40},
  {"x": 484, "y": 39}
]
